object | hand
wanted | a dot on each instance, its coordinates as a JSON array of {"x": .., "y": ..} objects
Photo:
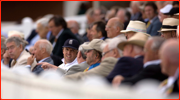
[
  {"x": 117, "y": 80},
  {"x": 30, "y": 60},
  {"x": 46, "y": 65},
  {"x": 6, "y": 58}
]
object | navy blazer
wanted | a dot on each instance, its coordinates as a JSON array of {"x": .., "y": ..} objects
[
  {"x": 38, "y": 69},
  {"x": 127, "y": 67},
  {"x": 150, "y": 72},
  {"x": 66, "y": 34},
  {"x": 154, "y": 27}
]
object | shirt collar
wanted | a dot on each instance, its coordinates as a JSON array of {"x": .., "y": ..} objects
[
  {"x": 172, "y": 79},
  {"x": 154, "y": 62},
  {"x": 75, "y": 60},
  {"x": 120, "y": 35},
  {"x": 20, "y": 54},
  {"x": 102, "y": 38},
  {"x": 59, "y": 33},
  {"x": 43, "y": 59},
  {"x": 137, "y": 56}
]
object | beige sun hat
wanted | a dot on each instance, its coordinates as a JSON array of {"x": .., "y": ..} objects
[
  {"x": 138, "y": 39},
  {"x": 169, "y": 24},
  {"x": 135, "y": 26},
  {"x": 94, "y": 44}
]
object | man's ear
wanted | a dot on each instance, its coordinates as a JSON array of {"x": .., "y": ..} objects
[
  {"x": 117, "y": 29},
  {"x": 174, "y": 34}
]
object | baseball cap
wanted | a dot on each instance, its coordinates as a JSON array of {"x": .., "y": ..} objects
[{"x": 71, "y": 43}]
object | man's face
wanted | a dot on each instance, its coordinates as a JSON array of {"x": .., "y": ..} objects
[
  {"x": 37, "y": 52},
  {"x": 54, "y": 29},
  {"x": 164, "y": 63},
  {"x": 162, "y": 17},
  {"x": 129, "y": 34},
  {"x": 149, "y": 55},
  {"x": 121, "y": 15},
  {"x": 69, "y": 54},
  {"x": 90, "y": 57},
  {"x": 107, "y": 53},
  {"x": 97, "y": 15},
  {"x": 168, "y": 34},
  {"x": 41, "y": 30},
  {"x": 149, "y": 11},
  {"x": 111, "y": 29},
  {"x": 14, "y": 51},
  {"x": 94, "y": 33},
  {"x": 127, "y": 50}
]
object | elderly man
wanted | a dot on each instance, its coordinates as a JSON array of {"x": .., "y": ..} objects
[
  {"x": 98, "y": 30},
  {"x": 113, "y": 28},
  {"x": 15, "y": 47},
  {"x": 42, "y": 51},
  {"x": 74, "y": 27},
  {"x": 134, "y": 27},
  {"x": 110, "y": 56},
  {"x": 136, "y": 13},
  {"x": 169, "y": 54},
  {"x": 42, "y": 27},
  {"x": 99, "y": 14},
  {"x": 70, "y": 53},
  {"x": 152, "y": 68},
  {"x": 154, "y": 24},
  {"x": 132, "y": 61},
  {"x": 169, "y": 28},
  {"x": 58, "y": 27}
]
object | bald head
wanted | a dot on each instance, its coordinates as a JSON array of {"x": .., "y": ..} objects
[
  {"x": 169, "y": 54},
  {"x": 73, "y": 26},
  {"x": 113, "y": 27}
]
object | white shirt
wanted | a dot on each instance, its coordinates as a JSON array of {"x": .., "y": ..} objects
[
  {"x": 154, "y": 62},
  {"x": 170, "y": 81},
  {"x": 54, "y": 43},
  {"x": 68, "y": 65}
]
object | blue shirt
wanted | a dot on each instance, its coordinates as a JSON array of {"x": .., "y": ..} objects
[{"x": 93, "y": 66}]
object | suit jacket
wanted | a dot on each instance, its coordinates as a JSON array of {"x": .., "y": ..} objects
[
  {"x": 66, "y": 34},
  {"x": 57, "y": 60},
  {"x": 127, "y": 67},
  {"x": 77, "y": 68},
  {"x": 38, "y": 69},
  {"x": 22, "y": 60},
  {"x": 154, "y": 27},
  {"x": 150, "y": 72},
  {"x": 105, "y": 67}
]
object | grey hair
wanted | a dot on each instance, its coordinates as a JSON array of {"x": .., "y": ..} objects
[
  {"x": 43, "y": 43},
  {"x": 137, "y": 49},
  {"x": 18, "y": 41},
  {"x": 157, "y": 42},
  {"x": 43, "y": 22},
  {"x": 3, "y": 46},
  {"x": 82, "y": 51},
  {"x": 113, "y": 44}
]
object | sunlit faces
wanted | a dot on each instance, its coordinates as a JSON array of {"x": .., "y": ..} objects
[
  {"x": 94, "y": 33},
  {"x": 14, "y": 51},
  {"x": 37, "y": 51},
  {"x": 69, "y": 54},
  {"x": 106, "y": 52},
  {"x": 168, "y": 34},
  {"x": 90, "y": 54},
  {"x": 41, "y": 30},
  {"x": 110, "y": 29},
  {"x": 149, "y": 11}
]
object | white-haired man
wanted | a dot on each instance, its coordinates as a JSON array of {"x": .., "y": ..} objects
[{"x": 42, "y": 51}]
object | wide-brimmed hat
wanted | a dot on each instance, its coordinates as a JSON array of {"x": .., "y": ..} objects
[
  {"x": 166, "y": 9},
  {"x": 135, "y": 26},
  {"x": 138, "y": 39},
  {"x": 94, "y": 44},
  {"x": 169, "y": 24}
]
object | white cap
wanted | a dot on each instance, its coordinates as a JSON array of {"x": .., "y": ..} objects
[{"x": 166, "y": 9}]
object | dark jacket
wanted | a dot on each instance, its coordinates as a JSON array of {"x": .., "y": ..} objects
[
  {"x": 154, "y": 27},
  {"x": 66, "y": 34},
  {"x": 127, "y": 67},
  {"x": 150, "y": 72},
  {"x": 38, "y": 69}
]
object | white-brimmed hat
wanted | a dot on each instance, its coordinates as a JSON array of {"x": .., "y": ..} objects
[
  {"x": 169, "y": 24},
  {"x": 135, "y": 26},
  {"x": 166, "y": 9}
]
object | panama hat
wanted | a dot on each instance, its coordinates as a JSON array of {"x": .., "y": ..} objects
[
  {"x": 135, "y": 26},
  {"x": 166, "y": 9},
  {"x": 169, "y": 24},
  {"x": 138, "y": 39}
]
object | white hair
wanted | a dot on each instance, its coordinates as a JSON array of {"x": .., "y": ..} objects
[
  {"x": 14, "y": 32},
  {"x": 43, "y": 43},
  {"x": 113, "y": 44},
  {"x": 177, "y": 30},
  {"x": 43, "y": 22},
  {"x": 137, "y": 49}
]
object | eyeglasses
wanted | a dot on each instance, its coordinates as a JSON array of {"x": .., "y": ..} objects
[
  {"x": 104, "y": 53},
  {"x": 87, "y": 51}
]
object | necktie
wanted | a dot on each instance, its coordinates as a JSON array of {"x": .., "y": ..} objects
[
  {"x": 86, "y": 69},
  {"x": 168, "y": 89},
  {"x": 148, "y": 24},
  {"x": 55, "y": 40}
]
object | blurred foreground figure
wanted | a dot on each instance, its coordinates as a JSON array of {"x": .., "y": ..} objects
[{"x": 169, "y": 54}]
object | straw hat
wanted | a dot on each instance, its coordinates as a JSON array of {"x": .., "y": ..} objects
[
  {"x": 169, "y": 24},
  {"x": 138, "y": 39},
  {"x": 135, "y": 26}
]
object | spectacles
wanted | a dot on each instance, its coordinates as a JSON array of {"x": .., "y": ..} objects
[{"x": 104, "y": 53}]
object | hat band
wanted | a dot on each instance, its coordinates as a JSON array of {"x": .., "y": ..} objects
[
  {"x": 169, "y": 27},
  {"x": 136, "y": 30}
]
